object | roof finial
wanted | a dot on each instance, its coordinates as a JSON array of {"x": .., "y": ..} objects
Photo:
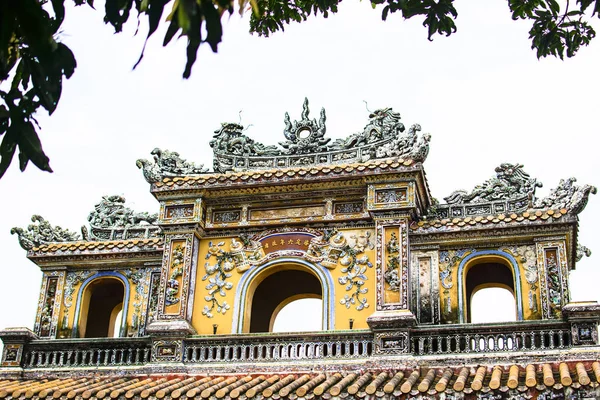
[{"x": 367, "y": 107}]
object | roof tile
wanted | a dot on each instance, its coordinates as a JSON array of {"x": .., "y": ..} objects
[{"x": 416, "y": 381}]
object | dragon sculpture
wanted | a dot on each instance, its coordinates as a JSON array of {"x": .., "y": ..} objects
[
  {"x": 42, "y": 232},
  {"x": 567, "y": 195},
  {"x": 511, "y": 182},
  {"x": 167, "y": 163},
  {"x": 108, "y": 215}
]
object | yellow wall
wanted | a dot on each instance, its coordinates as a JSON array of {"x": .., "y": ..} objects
[{"x": 204, "y": 324}]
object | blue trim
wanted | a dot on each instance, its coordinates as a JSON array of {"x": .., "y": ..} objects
[
  {"x": 322, "y": 273},
  {"x": 103, "y": 274},
  {"x": 516, "y": 277}
]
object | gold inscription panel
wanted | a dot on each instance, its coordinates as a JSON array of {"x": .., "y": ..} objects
[{"x": 282, "y": 213}]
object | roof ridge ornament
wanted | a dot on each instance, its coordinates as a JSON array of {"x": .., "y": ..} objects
[
  {"x": 307, "y": 135},
  {"x": 306, "y": 144},
  {"x": 510, "y": 182},
  {"x": 567, "y": 195},
  {"x": 42, "y": 232},
  {"x": 167, "y": 164},
  {"x": 512, "y": 190},
  {"x": 110, "y": 220}
]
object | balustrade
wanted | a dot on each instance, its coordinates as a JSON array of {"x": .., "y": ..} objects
[
  {"x": 281, "y": 347},
  {"x": 488, "y": 338},
  {"x": 423, "y": 340},
  {"x": 86, "y": 353}
]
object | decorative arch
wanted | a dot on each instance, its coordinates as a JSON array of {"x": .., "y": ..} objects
[
  {"x": 84, "y": 286},
  {"x": 488, "y": 255},
  {"x": 263, "y": 271}
]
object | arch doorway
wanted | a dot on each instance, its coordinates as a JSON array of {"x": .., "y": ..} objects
[
  {"x": 490, "y": 293},
  {"x": 102, "y": 308},
  {"x": 279, "y": 287}
]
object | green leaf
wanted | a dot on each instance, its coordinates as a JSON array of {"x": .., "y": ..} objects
[
  {"x": 7, "y": 152},
  {"x": 59, "y": 10},
  {"x": 4, "y": 119},
  {"x": 173, "y": 27},
  {"x": 66, "y": 59},
  {"x": 154, "y": 9},
  {"x": 214, "y": 30},
  {"x": 29, "y": 143},
  {"x": 23, "y": 160},
  {"x": 184, "y": 15}
]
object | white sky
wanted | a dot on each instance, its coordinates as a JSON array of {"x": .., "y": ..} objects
[{"x": 481, "y": 93}]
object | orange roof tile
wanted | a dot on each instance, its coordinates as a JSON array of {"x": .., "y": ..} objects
[{"x": 414, "y": 381}]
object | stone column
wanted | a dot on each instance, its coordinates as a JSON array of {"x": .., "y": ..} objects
[
  {"x": 392, "y": 263},
  {"x": 392, "y": 206},
  {"x": 182, "y": 223}
]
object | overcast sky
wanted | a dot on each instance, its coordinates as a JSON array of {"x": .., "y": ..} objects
[{"x": 481, "y": 93}]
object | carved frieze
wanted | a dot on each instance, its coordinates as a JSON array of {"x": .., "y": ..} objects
[
  {"x": 153, "y": 292},
  {"x": 172, "y": 295},
  {"x": 392, "y": 264},
  {"x": 167, "y": 350},
  {"x": 390, "y": 196},
  {"x": 181, "y": 211}
]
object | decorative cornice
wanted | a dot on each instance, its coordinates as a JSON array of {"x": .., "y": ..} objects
[
  {"x": 288, "y": 175},
  {"x": 499, "y": 220},
  {"x": 96, "y": 247}
]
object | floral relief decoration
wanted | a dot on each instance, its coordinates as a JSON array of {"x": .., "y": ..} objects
[
  {"x": 217, "y": 275},
  {"x": 354, "y": 265}
]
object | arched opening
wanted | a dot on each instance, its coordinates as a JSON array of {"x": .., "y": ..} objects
[
  {"x": 269, "y": 295},
  {"x": 102, "y": 308},
  {"x": 492, "y": 304},
  {"x": 285, "y": 318},
  {"x": 490, "y": 292}
]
